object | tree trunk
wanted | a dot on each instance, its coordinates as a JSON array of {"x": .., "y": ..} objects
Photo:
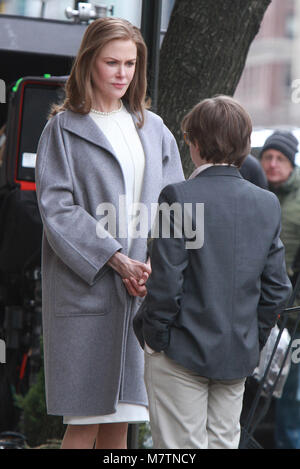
[{"x": 203, "y": 54}]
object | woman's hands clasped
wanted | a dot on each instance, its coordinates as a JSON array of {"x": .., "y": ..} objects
[{"x": 134, "y": 273}]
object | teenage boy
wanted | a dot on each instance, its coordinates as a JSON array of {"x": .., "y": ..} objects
[{"x": 209, "y": 310}]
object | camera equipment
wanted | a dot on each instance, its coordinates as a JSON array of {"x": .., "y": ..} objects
[{"x": 88, "y": 11}]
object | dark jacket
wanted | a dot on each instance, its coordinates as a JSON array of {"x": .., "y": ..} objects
[
  {"x": 288, "y": 195},
  {"x": 211, "y": 309},
  {"x": 251, "y": 170}
]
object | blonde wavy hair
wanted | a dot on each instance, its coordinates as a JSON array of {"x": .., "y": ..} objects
[{"x": 78, "y": 88}]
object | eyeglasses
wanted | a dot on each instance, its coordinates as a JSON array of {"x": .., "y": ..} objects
[{"x": 186, "y": 137}]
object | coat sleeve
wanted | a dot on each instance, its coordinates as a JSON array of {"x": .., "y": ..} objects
[
  {"x": 70, "y": 230},
  {"x": 275, "y": 285},
  {"x": 169, "y": 259}
]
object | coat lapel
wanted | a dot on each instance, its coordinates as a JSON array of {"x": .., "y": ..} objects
[
  {"x": 146, "y": 188},
  {"x": 84, "y": 126},
  {"x": 152, "y": 183}
]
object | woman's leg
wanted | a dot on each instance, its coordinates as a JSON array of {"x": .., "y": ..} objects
[
  {"x": 112, "y": 436},
  {"x": 80, "y": 437}
]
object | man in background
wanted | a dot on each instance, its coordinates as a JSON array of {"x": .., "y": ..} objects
[{"x": 278, "y": 162}]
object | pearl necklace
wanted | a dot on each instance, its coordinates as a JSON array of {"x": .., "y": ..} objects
[{"x": 102, "y": 113}]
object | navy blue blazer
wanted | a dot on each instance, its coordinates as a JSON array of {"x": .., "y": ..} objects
[{"x": 211, "y": 308}]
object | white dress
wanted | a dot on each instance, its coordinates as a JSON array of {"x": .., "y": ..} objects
[{"x": 120, "y": 130}]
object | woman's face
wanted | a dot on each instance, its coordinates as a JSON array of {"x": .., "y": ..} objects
[{"x": 114, "y": 70}]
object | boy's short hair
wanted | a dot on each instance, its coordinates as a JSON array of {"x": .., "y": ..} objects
[{"x": 222, "y": 128}]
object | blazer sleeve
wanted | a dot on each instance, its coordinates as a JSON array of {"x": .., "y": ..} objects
[
  {"x": 169, "y": 259},
  {"x": 276, "y": 287},
  {"x": 70, "y": 230}
]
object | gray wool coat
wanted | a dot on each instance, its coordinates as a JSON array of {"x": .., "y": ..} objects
[{"x": 92, "y": 357}]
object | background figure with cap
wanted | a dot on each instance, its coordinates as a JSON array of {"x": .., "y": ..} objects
[{"x": 278, "y": 161}]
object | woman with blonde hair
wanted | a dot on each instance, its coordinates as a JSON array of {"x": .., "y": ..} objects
[{"x": 101, "y": 151}]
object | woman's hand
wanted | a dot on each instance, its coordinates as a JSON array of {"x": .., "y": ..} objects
[
  {"x": 134, "y": 273},
  {"x": 135, "y": 288}
]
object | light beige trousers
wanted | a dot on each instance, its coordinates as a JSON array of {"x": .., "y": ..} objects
[{"x": 189, "y": 411}]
